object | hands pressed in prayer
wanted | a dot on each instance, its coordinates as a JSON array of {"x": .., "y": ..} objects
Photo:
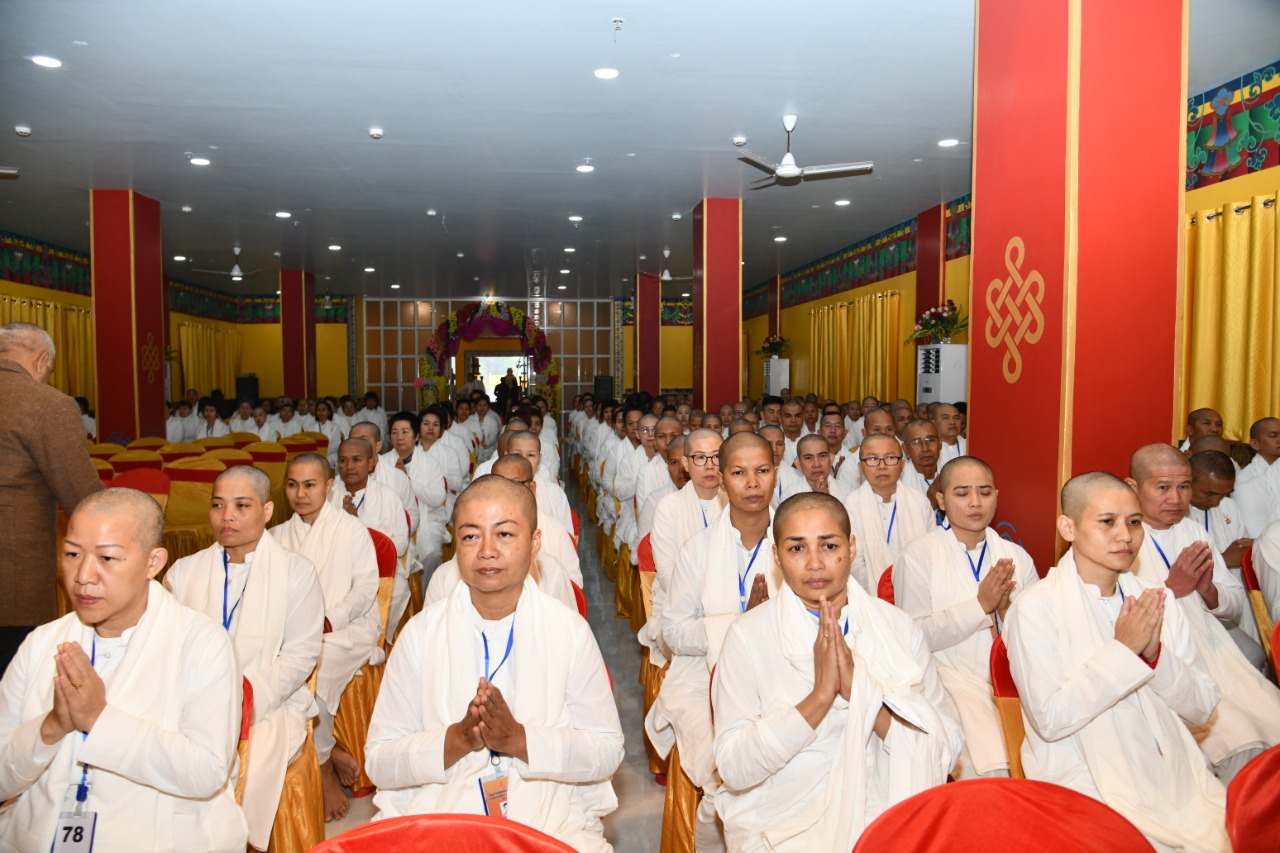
[
  {"x": 1138, "y": 626},
  {"x": 995, "y": 590},
  {"x": 349, "y": 505},
  {"x": 759, "y": 592},
  {"x": 832, "y": 668},
  {"x": 498, "y": 726},
  {"x": 79, "y": 695},
  {"x": 1188, "y": 571},
  {"x": 463, "y": 737},
  {"x": 1234, "y": 555}
]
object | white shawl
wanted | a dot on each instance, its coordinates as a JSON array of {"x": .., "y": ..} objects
[
  {"x": 547, "y": 572},
  {"x": 721, "y": 605},
  {"x": 878, "y": 547}
]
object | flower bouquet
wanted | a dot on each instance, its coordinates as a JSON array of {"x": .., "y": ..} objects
[
  {"x": 771, "y": 346},
  {"x": 939, "y": 324}
]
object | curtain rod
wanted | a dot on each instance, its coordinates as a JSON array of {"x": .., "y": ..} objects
[
  {"x": 852, "y": 301},
  {"x": 1237, "y": 210}
]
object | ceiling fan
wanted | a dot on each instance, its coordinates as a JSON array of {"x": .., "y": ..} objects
[
  {"x": 235, "y": 272},
  {"x": 666, "y": 269},
  {"x": 788, "y": 171}
]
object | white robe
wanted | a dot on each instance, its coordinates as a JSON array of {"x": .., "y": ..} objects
[
  {"x": 1256, "y": 468},
  {"x": 386, "y": 473},
  {"x": 844, "y": 467},
  {"x": 913, "y": 478},
  {"x": 175, "y": 430},
  {"x": 796, "y": 484},
  {"x": 347, "y": 564},
  {"x": 1259, "y": 499},
  {"x": 1102, "y": 722},
  {"x": 379, "y": 508},
  {"x": 712, "y": 575},
  {"x": 879, "y": 546},
  {"x": 276, "y": 631},
  {"x": 789, "y": 787},
  {"x": 330, "y": 430},
  {"x": 557, "y": 687},
  {"x": 1223, "y": 524},
  {"x": 288, "y": 428},
  {"x": 1266, "y": 565},
  {"x": 551, "y": 577},
  {"x": 557, "y": 543},
  {"x": 1248, "y": 717},
  {"x": 206, "y": 430},
  {"x": 427, "y": 479},
  {"x": 376, "y": 416},
  {"x": 644, "y": 523},
  {"x": 162, "y": 751},
  {"x": 552, "y": 501},
  {"x": 266, "y": 432},
  {"x": 933, "y": 582},
  {"x": 947, "y": 452}
]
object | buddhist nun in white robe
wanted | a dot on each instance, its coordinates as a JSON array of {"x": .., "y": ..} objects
[
  {"x": 1174, "y": 553},
  {"x": 1266, "y": 565},
  {"x": 133, "y": 694},
  {"x": 536, "y": 709},
  {"x": 1214, "y": 512},
  {"x": 551, "y": 498},
  {"x": 386, "y": 473},
  {"x": 340, "y": 548},
  {"x": 823, "y": 722},
  {"x": 886, "y": 515},
  {"x": 427, "y": 481},
  {"x": 957, "y": 584},
  {"x": 269, "y": 600},
  {"x": 813, "y": 467},
  {"x": 1110, "y": 678},
  {"x": 721, "y": 572}
]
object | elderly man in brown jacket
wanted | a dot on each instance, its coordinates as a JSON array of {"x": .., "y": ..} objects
[{"x": 45, "y": 463}]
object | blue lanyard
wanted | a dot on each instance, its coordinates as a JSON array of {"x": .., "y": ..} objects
[
  {"x": 1158, "y": 548},
  {"x": 704, "y": 517},
  {"x": 1206, "y": 521},
  {"x": 362, "y": 497},
  {"x": 815, "y": 614},
  {"x": 977, "y": 570},
  {"x": 227, "y": 618},
  {"x": 82, "y": 789},
  {"x": 742, "y": 578},
  {"x": 889, "y": 536},
  {"x": 511, "y": 638}
]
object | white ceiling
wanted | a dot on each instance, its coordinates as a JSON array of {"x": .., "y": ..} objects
[{"x": 487, "y": 108}]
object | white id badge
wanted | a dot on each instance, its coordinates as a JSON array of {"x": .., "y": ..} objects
[
  {"x": 493, "y": 792},
  {"x": 74, "y": 833}
]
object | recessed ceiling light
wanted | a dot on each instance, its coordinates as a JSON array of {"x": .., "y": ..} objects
[
  {"x": 948, "y": 143},
  {"x": 240, "y": 278},
  {"x": 675, "y": 217},
  {"x": 779, "y": 239},
  {"x": 585, "y": 166},
  {"x": 47, "y": 61},
  {"x": 431, "y": 211},
  {"x": 334, "y": 247},
  {"x": 644, "y": 257},
  {"x": 368, "y": 269},
  {"x": 186, "y": 208},
  {"x": 562, "y": 287},
  {"x": 395, "y": 287},
  {"x": 179, "y": 258},
  {"x": 462, "y": 254},
  {"x": 624, "y": 278},
  {"x": 570, "y": 249},
  {"x": 280, "y": 214},
  {"x": 684, "y": 294},
  {"x": 631, "y": 153},
  {"x": 564, "y": 272},
  {"x": 606, "y": 73},
  {"x": 842, "y": 202},
  {"x": 199, "y": 161},
  {"x": 675, "y": 56},
  {"x": 575, "y": 218},
  {"x": 476, "y": 278},
  {"x": 276, "y": 254},
  {"x": 918, "y": 160}
]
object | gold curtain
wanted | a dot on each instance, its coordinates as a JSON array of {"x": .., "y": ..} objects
[
  {"x": 210, "y": 357},
  {"x": 72, "y": 331},
  {"x": 1232, "y": 355},
  {"x": 853, "y": 350}
]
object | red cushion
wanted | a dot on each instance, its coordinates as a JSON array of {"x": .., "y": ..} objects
[
  {"x": 1253, "y": 805},
  {"x": 885, "y": 588},
  {"x": 645, "y": 556},
  {"x": 451, "y": 832},
  {"x": 1001, "y": 679},
  {"x": 1021, "y": 815},
  {"x": 246, "y": 709},
  {"x": 581, "y": 599},
  {"x": 577, "y": 523},
  {"x": 1246, "y": 570},
  {"x": 386, "y": 551}
]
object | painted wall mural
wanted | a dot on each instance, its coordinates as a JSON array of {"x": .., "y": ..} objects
[
  {"x": 38, "y": 264},
  {"x": 675, "y": 312},
  {"x": 1234, "y": 129},
  {"x": 755, "y": 302},
  {"x": 887, "y": 254},
  {"x": 955, "y": 224}
]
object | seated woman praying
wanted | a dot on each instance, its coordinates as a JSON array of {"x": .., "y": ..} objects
[
  {"x": 828, "y": 707},
  {"x": 495, "y": 698}
]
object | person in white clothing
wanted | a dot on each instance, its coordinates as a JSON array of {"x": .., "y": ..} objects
[
  {"x": 347, "y": 564},
  {"x": 790, "y": 480},
  {"x": 792, "y": 428},
  {"x": 263, "y": 428},
  {"x": 176, "y": 428},
  {"x": 675, "y": 477},
  {"x": 132, "y": 698},
  {"x": 1213, "y": 478},
  {"x": 1266, "y": 565},
  {"x": 844, "y": 462},
  {"x": 372, "y": 411},
  {"x": 722, "y": 572},
  {"x": 551, "y": 496},
  {"x": 490, "y": 426},
  {"x": 1110, "y": 678},
  {"x": 1177, "y": 554},
  {"x": 304, "y": 413},
  {"x": 557, "y": 540},
  {"x": 289, "y": 424},
  {"x": 1264, "y": 438},
  {"x": 495, "y": 699},
  {"x": 268, "y": 599},
  {"x": 886, "y": 515},
  {"x": 195, "y": 420},
  {"x": 949, "y": 422},
  {"x": 326, "y": 426},
  {"x": 1201, "y": 423},
  {"x": 921, "y": 442},
  {"x": 957, "y": 584},
  {"x": 432, "y": 422},
  {"x": 654, "y": 473},
  {"x": 390, "y": 475},
  {"x": 1258, "y": 483},
  {"x": 827, "y": 704},
  {"x": 427, "y": 479},
  {"x": 813, "y": 463},
  {"x": 242, "y": 420},
  {"x": 210, "y": 426}
]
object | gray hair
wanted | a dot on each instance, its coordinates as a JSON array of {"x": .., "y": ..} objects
[{"x": 27, "y": 337}]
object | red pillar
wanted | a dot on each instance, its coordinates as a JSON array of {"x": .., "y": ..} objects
[
  {"x": 775, "y": 305},
  {"x": 1076, "y": 262},
  {"x": 718, "y": 368},
  {"x": 298, "y": 332},
  {"x": 130, "y": 314},
  {"x": 648, "y": 336},
  {"x": 931, "y": 248}
]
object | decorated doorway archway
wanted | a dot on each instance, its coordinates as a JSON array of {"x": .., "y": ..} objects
[{"x": 486, "y": 319}]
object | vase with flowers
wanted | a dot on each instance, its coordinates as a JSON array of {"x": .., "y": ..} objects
[
  {"x": 939, "y": 324},
  {"x": 772, "y": 347}
]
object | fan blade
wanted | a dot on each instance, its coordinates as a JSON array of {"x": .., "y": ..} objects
[
  {"x": 250, "y": 272},
  {"x": 769, "y": 179},
  {"x": 763, "y": 184},
  {"x": 761, "y": 162},
  {"x": 212, "y": 272},
  {"x": 863, "y": 168}
]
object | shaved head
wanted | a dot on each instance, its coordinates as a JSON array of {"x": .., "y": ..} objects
[
  {"x": 326, "y": 470},
  {"x": 1210, "y": 442},
  {"x": 259, "y": 483},
  {"x": 1212, "y": 463},
  {"x": 701, "y": 436},
  {"x": 1261, "y": 425},
  {"x": 364, "y": 427},
  {"x": 138, "y": 507},
  {"x": 740, "y": 442},
  {"x": 358, "y": 443},
  {"x": 955, "y": 466},
  {"x": 521, "y": 438},
  {"x": 769, "y": 428},
  {"x": 878, "y": 439},
  {"x": 1147, "y": 459},
  {"x": 493, "y": 488},
  {"x": 876, "y": 416},
  {"x": 805, "y": 501},
  {"x": 1078, "y": 491},
  {"x": 513, "y": 467}
]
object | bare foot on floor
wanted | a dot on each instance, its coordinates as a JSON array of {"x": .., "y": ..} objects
[
  {"x": 335, "y": 799},
  {"x": 345, "y": 765}
]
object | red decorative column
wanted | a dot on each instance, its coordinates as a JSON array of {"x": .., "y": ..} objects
[
  {"x": 648, "y": 336},
  {"x": 775, "y": 305},
  {"x": 718, "y": 369},
  {"x": 1077, "y": 263},
  {"x": 298, "y": 332},
  {"x": 130, "y": 313},
  {"x": 931, "y": 248}
]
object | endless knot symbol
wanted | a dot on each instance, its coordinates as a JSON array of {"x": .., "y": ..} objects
[
  {"x": 1013, "y": 308},
  {"x": 149, "y": 358}
]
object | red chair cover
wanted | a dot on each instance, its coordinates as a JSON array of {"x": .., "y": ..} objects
[
  {"x": 1025, "y": 815},
  {"x": 1247, "y": 572},
  {"x": 885, "y": 587},
  {"x": 1001, "y": 678},
  {"x": 386, "y": 551},
  {"x": 144, "y": 480},
  {"x": 581, "y": 599},
  {"x": 577, "y": 523},
  {"x": 1253, "y": 805},
  {"x": 451, "y": 832},
  {"x": 645, "y": 555},
  {"x": 246, "y": 708}
]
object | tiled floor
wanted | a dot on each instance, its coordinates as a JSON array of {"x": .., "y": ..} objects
[{"x": 637, "y": 824}]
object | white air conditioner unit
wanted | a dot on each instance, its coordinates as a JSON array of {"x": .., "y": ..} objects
[
  {"x": 942, "y": 373},
  {"x": 777, "y": 375}
]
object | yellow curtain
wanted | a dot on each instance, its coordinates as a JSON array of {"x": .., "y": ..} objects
[
  {"x": 72, "y": 331},
  {"x": 852, "y": 348},
  {"x": 1232, "y": 355},
  {"x": 210, "y": 357}
]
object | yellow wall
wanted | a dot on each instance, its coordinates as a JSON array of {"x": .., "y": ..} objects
[
  {"x": 956, "y": 288},
  {"x": 756, "y": 330},
  {"x": 44, "y": 294},
  {"x": 1243, "y": 188},
  {"x": 261, "y": 352},
  {"x": 628, "y": 377},
  {"x": 677, "y": 357},
  {"x": 331, "y": 359}
]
